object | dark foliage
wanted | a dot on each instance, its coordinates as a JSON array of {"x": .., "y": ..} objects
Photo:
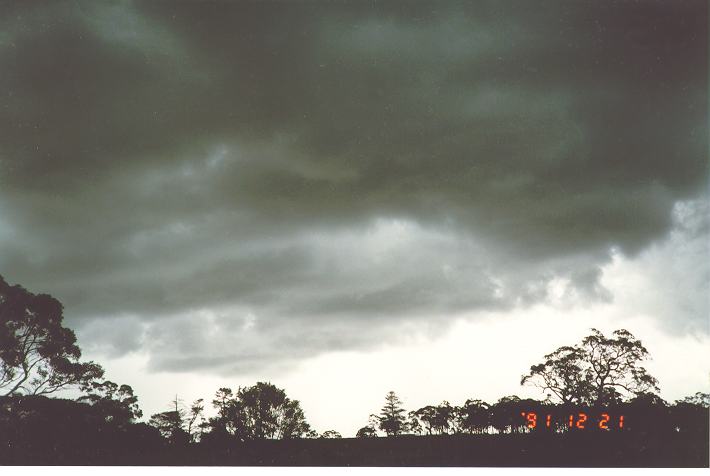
[
  {"x": 366, "y": 432},
  {"x": 38, "y": 356},
  {"x": 391, "y": 419},
  {"x": 600, "y": 370},
  {"x": 331, "y": 434},
  {"x": 262, "y": 411},
  {"x": 117, "y": 403},
  {"x": 39, "y": 430}
]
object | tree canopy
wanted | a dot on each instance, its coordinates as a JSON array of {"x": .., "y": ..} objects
[
  {"x": 38, "y": 355},
  {"x": 392, "y": 420},
  {"x": 598, "y": 371},
  {"x": 172, "y": 423},
  {"x": 262, "y": 411},
  {"x": 366, "y": 432},
  {"x": 118, "y": 403},
  {"x": 331, "y": 434},
  {"x": 476, "y": 416}
]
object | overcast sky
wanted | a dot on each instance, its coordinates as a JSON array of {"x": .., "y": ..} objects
[{"x": 354, "y": 197}]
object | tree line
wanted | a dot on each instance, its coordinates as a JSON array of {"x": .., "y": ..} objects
[
  {"x": 645, "y": 412},
  {"x": 40, "y": 357}
]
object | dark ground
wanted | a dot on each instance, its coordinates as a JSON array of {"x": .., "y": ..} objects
[
  {"x": 581, "y": 450},
  {"x": 595, "y": 450}
]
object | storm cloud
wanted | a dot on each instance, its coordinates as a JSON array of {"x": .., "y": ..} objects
[{"x": 231, "y": 185}]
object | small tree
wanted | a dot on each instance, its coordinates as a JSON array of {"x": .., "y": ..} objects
[
  {"x": 391, "y": 418},
  {"x": 221, "y": 424},
  {"x": 366, "y": 432},
  {"x": 171, "y": 423},
  {"x": 331, "y": 434},
  {"x": 222, "y": 398},
  {"x": 196, "y": 419},
  {"x": 38, "y": 355}
]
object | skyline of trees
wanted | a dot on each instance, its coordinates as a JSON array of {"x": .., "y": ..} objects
[
  {"x": 645, "y": 412},
  {"x": 39, "y": 356}
]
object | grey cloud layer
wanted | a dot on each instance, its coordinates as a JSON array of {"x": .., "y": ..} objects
[{"x": 335, "y": 171}]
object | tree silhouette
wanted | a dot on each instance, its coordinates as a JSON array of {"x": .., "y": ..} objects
[
  {"x": 476, "y": 416},
  {"x": 195, "y": 412},
  {"x": 699, "y": 398},
  {"x": 331, "y": 434},
  {"x": 561, "y": 373},
  {"x": 117, "y": 403},
  {"x": 427, "y": 415},
  {"x": 221, "y": 423},
  {"x": 646, "y": 413},
  {"x": 38, "y": 356},
  {"x": 262, "y": 411},
  {"x": 443, "y": 417},
  {"x": 222, "y": 398},
  {"x": 690, "y": 415},
  {"x": 505, "y": 414},
  {"x": 599, "y": 371},
  {"x": 171, "y": 423},
  {"x": 456, "y": 420},
  {"x": 42, "y": 430},
  {"x": 391, "y": 418},
  {"x": 413, "y": 424},
  {"x": 614, "y": 366},
  {"x": 369, "y": 430},
  {"x": 366, "y": 432}
]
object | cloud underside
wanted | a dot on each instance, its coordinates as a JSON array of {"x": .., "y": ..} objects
[{"x": 232, "y": 185}]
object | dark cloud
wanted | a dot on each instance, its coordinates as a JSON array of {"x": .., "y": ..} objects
[{"x": 336, "y": 171}]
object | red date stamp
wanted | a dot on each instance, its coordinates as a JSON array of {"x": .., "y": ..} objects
[{"x": 581, "y": 421}]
